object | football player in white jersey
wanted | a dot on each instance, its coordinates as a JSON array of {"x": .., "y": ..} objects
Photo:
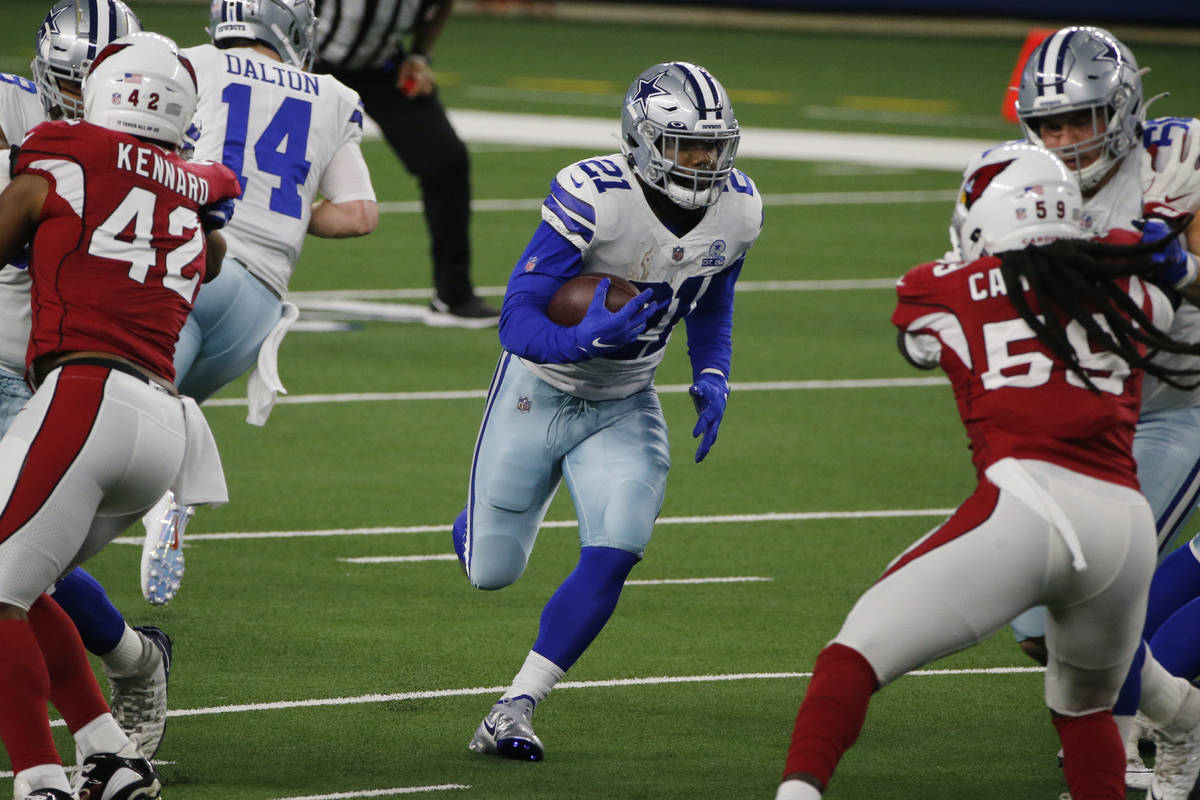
[
  {"x": 1081, "y": 96},
  {"x": 136, "y": 660},
  {"x": 290, "y": 135},
  {"x": 672, "y": 215}
]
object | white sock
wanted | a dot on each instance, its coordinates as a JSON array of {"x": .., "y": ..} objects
[
  {"x": 101, "y": 735},
  {"x": 797, "y": 790},
  {"x": 127, "y": 657},
  {"x": 1165, "y": 699},
  {"x": 43, "y": 776},
  {"x": 1124, "y": 725},
  {"x": 537, "y": 677}
]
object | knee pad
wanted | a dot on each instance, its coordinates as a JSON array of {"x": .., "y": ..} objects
[
  {"x": 497, "y": 561},
  {"x": 627, "y": 519}
]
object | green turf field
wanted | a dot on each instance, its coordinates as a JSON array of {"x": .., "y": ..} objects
[{"x": 301, "y": 674}]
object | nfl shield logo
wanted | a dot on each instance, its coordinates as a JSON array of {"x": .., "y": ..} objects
[
  {"x": 677, "y": 254},
  {"x": 523, "y": 405},
  {"x": 531, "y": 264},
  {"x": 1021, "y": 213}
]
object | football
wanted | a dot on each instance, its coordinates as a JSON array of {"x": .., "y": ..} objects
[{"x": 570, "y": 303}]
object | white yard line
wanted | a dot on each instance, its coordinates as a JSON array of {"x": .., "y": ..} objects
[
  {"x": 478, "y": 394},
  {"x": 694, "y": 581},
  {"x": 660, "y": 680},
  {"x": 379, "y": 792},
  {"x": 793, "y": 516}
]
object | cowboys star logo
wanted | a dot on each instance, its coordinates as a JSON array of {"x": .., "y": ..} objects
[{"x": 646, "y": 90}]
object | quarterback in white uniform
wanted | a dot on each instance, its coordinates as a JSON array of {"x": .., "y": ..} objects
[
  {"x": 290, "y": 136},
  {"x": 1081, "y": 96},
  {"x": 672, "y": 215}
]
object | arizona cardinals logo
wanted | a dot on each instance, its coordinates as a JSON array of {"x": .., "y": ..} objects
[{"x": 980, "y": 180}]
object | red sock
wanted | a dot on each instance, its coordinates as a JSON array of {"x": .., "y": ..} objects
[
  {"x": 1093, "y": 756},
  {"x": 25, "y": 687},
  {"x": 73, "y": 687},
  {"x": 832, "y": 714}
]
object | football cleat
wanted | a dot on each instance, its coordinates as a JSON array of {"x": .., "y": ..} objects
[
  {"x": 1176, "y": 765},
  {"x": 125, "y": 775},
  {"x": 506, "y": 731},
  {"x": 49, "y": 794},
  {"x": 139, "y": 701},
  {"x": 1137, "y": 774},
  {"x": 162, "y": 552}
]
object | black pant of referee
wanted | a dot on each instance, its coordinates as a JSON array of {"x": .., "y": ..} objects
[{"x": 420, "y": 134}]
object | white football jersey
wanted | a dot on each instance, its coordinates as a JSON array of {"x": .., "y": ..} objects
[
  {"x": 20, "y": 111},
  {"x": 1170, "y": 174},
  {"x": 277, "y": 127},
  {"x": 598, "y": 205}
]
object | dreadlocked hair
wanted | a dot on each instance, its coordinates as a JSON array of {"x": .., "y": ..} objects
[{"x": 1077, "y": 277}]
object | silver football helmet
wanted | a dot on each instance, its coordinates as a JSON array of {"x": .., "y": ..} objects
[
  {"x": 289, "y": 27},
  {"x": 679, "y": 133},
  {"x": 71, "y": 36},
  {"x": 1013, "y": 195},
  {"x": 141, "y": 85},
  {"x": 1085, "y": 69}
]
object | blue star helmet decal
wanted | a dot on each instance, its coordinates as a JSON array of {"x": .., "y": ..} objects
[{"x": 646, "y": 90}]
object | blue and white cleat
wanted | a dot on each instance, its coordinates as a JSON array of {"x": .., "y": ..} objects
[
  {"x": 507, "y": 731},
  {"x": 139, "y": 701},
  {"x": 162, "y": 552}
]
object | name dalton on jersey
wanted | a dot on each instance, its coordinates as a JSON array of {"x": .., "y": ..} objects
[{"x": 284, "y": 75}]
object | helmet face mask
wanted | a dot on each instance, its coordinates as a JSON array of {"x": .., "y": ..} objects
[
  {"x": 1012, "y": 196},
  {"x": 679, "y": 134},
  {"x": 288, "y": 27},
  {"x": 142, "y": 86},
  {"x": 72, "y": 34},
  {"x": 1077, "y": 71}
]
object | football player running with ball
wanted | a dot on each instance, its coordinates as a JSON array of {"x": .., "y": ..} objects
[
  {"x": 670, "y": 214},
  {"x": 1044, "y": 342}
]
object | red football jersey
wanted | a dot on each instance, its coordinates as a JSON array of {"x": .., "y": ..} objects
[
  {"x": 1014, "y": 396},
  {"x": 118, "y": 256}
]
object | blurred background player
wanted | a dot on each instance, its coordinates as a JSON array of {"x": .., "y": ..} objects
[
  {"x": 1081, "y": 95},
  {"x": 671, "y": 214},
  {"x": 105, "y": 432},
  {"x": 288, "y": 139},
  {"x": 1045, "y": 348},
  {"x": 362, "y": 43},
  {"x": 135, "y": 660}
]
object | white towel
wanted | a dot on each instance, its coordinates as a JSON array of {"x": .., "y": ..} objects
[
  {"x": 264, "y": 383},
  {"x": 1011, "y": 476},
  {"x": 201, "y": 479}
]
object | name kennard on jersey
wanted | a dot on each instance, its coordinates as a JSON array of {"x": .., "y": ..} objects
[
  {"x": 285, "y": 76},
  {"x": 149, "y": 163}
]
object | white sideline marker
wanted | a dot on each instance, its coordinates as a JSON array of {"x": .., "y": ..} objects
[{"x": 380, "y": 792}]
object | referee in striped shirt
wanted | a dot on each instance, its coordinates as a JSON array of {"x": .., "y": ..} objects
[{"x": 362, "y": 43}]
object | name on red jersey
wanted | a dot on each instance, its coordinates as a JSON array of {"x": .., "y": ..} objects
[{"x": 149, "y": 162}]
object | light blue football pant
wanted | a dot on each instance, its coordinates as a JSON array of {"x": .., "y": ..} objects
[
  {"x": 14, "y": 394},
  {"x": 613, "y": 455},
  {"x": 1167, "y": 450},
  {"x": 220, "y": 340}
]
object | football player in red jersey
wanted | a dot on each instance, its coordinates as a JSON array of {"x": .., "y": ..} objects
[
  {"x": 1044, "y": 339},
  {"x": 119, "y": 225}
]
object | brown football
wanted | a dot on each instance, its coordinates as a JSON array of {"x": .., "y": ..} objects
[{"x": 570, "y": 303}]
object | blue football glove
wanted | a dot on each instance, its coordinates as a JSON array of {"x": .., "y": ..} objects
[
  {"x": 1177, "y": 267},
  {"x": 709, "y": 394},
  {"x": 602, "y": 332},
  {"x": 215, "y": 216}
]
